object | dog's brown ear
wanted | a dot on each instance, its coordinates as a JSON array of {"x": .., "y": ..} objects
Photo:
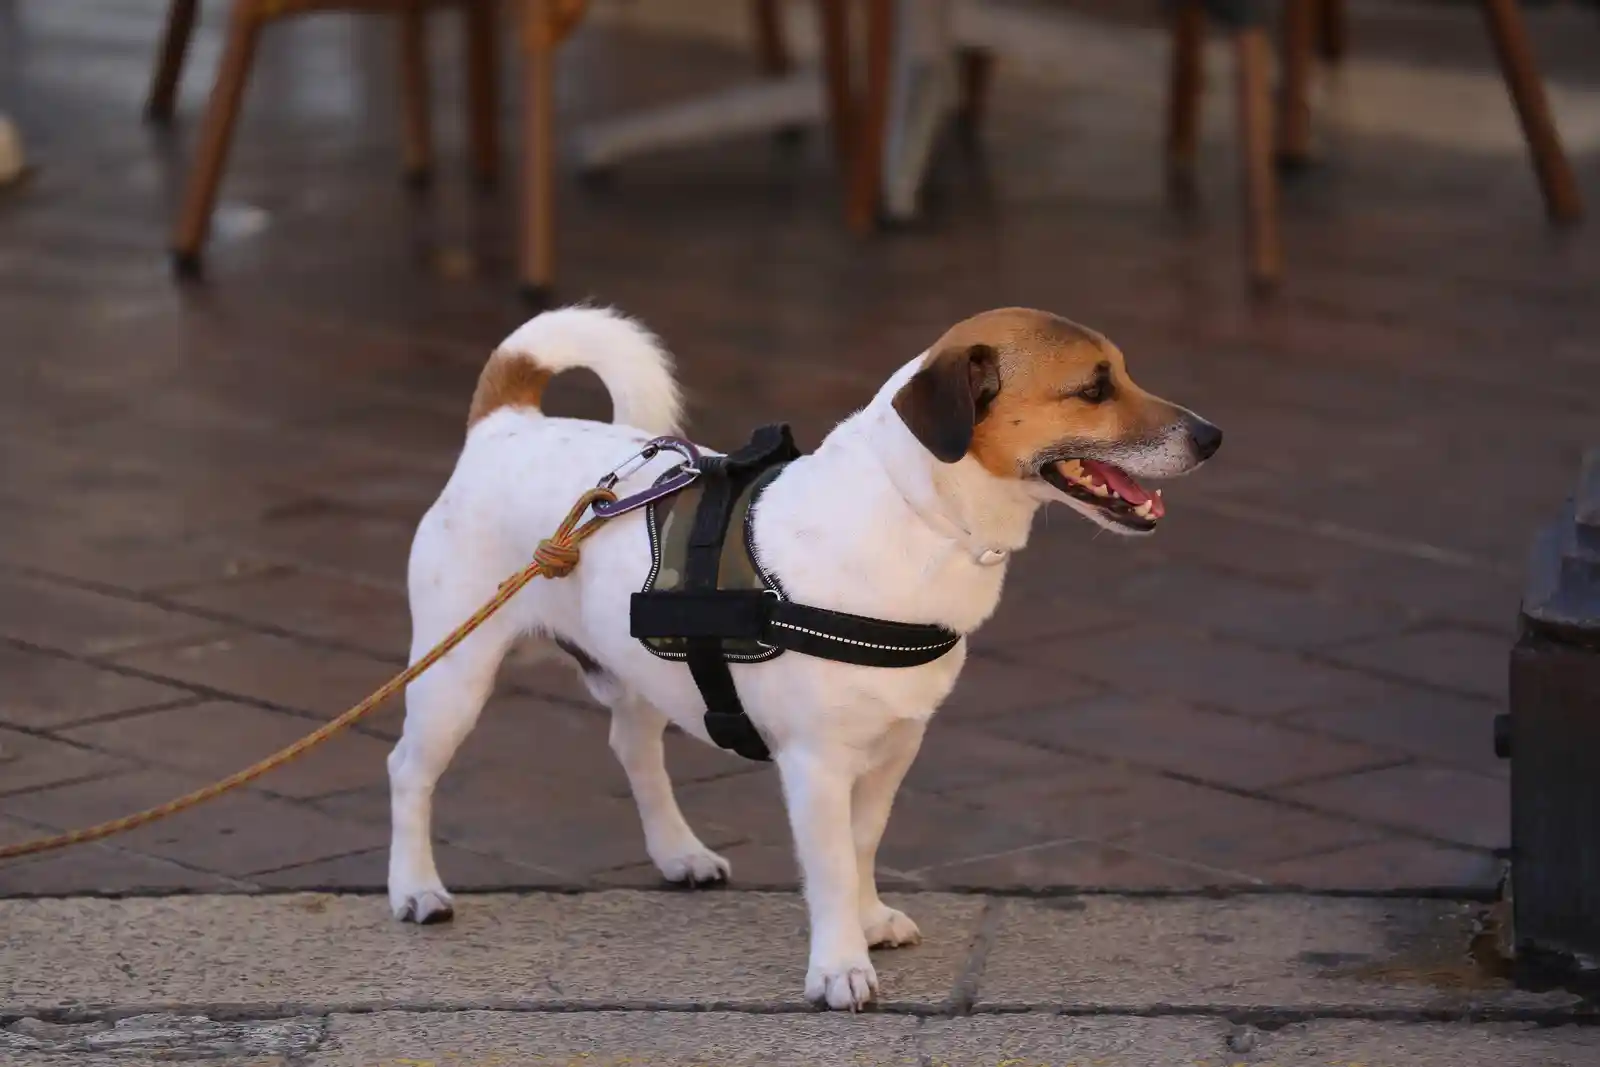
[{"x": 949, "y": 396}]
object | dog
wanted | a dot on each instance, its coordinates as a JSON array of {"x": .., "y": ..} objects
[{"x": 908, "y": 511}]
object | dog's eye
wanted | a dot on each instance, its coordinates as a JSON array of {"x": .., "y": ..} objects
[
  {"x": 1097, "y": 392},
  {"x": 1099, "y": 389}
]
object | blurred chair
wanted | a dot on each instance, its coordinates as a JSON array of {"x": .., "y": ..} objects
[
  {"x": 1309, "y": 26},
  {"x": 1245, "y": 22},
  {"x": 542, "y": 26},
  {"x": 779, "y": 101},
  {"x": 1271, "y": 133},
  {"x": 917, "y": 75},
  {"x": 247, "y": 18}
]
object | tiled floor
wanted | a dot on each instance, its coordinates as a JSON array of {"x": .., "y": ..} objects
[{"x": 208, "y": 492}]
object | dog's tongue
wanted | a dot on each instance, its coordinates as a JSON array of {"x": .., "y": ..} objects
[{"x": 1124, "y": 486}]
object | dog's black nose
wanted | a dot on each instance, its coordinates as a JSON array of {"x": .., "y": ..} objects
[{"x": 1206, "y": 437}]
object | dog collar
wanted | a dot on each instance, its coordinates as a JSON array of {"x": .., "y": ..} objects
[{"x": 984, "y": 555}]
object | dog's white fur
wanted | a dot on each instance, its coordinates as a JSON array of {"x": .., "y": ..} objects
[{"x": 842, "y": 736}]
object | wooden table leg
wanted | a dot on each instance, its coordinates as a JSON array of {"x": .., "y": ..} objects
[
  {"x": 1561, "y": 197},
  {"x": 1253, "y": 58},
  {"x": 976, "y": 66},
  {"x": 216, "y": 133},
  {"x": 865, "y": 188},
  {"x": 771, "y": 43},
  {"x": 414, "y": 93},
  {"x": 483, "y": 88},
  {"x": 169, "y": 65},
  {"x": 1294, "y": 91},
  {"x": 1333, "y": 33},
  {"x": 1187, "y": 82},
  {"x": 537, "y": 257},
  {"x": 834, "y": 16}
]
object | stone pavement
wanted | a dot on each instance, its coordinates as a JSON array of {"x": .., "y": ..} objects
[
  {"x": 649, "y": 978},
  {"x": 208, "y": 492}
]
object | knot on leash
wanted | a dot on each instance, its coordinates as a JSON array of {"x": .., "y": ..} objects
[
  {"x": 556, "y": 557},
  {"x": 557, "y": 554}
]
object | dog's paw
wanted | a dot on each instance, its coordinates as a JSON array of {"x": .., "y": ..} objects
[
  {"x": 423, "y": 906},
  {"x": 848, "y": 986},
  {"x": 694, "y": 867},
  {"x": 887, "y": 927}
]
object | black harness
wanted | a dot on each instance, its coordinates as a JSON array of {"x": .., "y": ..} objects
[{"x": 717, "y": 604}]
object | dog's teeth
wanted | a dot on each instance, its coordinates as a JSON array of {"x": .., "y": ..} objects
[
  {"x": 1073, "y": 469},
  {"x": 1099, "y": 490},
  {"x": 1144, "y": 510},
  {"x": 1158, "y": 492}
]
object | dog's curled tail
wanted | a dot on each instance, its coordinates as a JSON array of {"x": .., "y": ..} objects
[{"x": 628, "y": 359}]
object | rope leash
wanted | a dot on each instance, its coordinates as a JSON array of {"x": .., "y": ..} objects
[{"x": 555, "y": 557}]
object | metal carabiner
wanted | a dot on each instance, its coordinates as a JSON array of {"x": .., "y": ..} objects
[{"x": 679, "y": 476}]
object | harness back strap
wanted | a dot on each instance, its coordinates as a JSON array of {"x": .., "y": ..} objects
[{"x": 725, "y": 477}]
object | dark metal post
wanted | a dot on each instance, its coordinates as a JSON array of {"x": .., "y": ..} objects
[{"x": 1552, "y": 737}]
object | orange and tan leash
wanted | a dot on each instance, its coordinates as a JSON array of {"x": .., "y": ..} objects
[{"x": 555, "y": 557}]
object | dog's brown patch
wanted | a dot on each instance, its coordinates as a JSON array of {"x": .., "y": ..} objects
[
  {"x": 508, "y": 381},
  {"x": 1007, "y": 385}
]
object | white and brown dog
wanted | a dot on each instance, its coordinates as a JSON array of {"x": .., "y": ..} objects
[{"x": 908, "y": 512}]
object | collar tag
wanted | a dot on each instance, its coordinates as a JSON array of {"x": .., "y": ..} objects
[{"x": 990, "y": 556}]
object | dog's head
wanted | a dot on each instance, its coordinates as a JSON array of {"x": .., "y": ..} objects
[{"x": 1033, "y": 397}]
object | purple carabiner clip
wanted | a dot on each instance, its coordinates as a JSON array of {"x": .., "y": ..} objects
[{"x": 676, "y": 479}]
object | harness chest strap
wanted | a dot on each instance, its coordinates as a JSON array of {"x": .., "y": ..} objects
[
  {"x": 765, "y": 618},
  {"x": 717, "y": 603}
]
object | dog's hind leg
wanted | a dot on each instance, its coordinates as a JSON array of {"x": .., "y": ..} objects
[
  {"x": 637, "y": 727},
  {"x": 442, "y": 706}
]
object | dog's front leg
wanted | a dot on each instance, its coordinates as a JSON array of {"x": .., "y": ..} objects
[
  {"x": 873, "y": 797},
  {"x": 816, "y": 785}
]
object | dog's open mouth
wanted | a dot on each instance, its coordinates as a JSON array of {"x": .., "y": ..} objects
[{"x": 1109, "y": 489}]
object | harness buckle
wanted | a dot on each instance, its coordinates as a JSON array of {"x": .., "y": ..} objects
[{"x": 676, "y": 478}]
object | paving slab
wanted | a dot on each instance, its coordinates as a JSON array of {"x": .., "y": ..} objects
[
  {"x": 618, "y": 949},
  {"x": 100, "y": 867},
  {"x": 612, "y": 1039},
  {"x": 1278, "y": 952},
  {"x": 1122, "y": 1041},
  {"x": 45, "y": 692},
  {"x": 308, "y": 952},
  {"x": 160, "y": 1038},
  {"x": 736, "y": 1039}
]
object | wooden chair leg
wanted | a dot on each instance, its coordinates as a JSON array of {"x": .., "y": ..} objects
[
  {"x": 1510, "y": 35},
  {"x": 866, "y": 179},
  {"x": 1333, "y": 30},
  {"x": 169, "y": 64},
  {"x": 1253, "y": 58},
  {"x": 834, "y": 16},
  {"x": 976, "y": 67},
  {"x": 1187, "y": 82},
  {"x": 414, "y": 94},
  {"x": 211, "y": 153},
  {"x": 771, "y": 44},
  {"x": 1294, "y": 91},
  {"x": 483, "y": 88},
  {"x": 539, "y": 38}
]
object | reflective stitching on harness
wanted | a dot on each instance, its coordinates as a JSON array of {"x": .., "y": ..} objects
[{"x": 866, "y": 644}]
